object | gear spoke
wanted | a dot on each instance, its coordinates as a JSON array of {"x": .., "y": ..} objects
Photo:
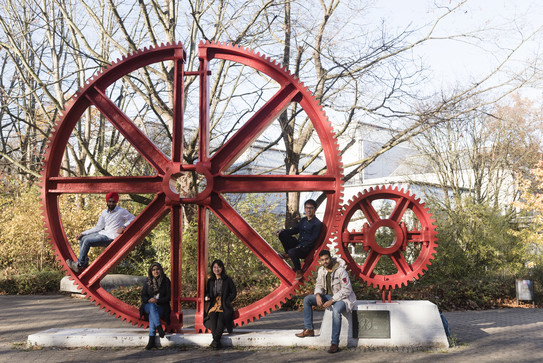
[
  {"x": 122, "y": 245},
  {"x": 131, "y": 132},
  {"x": 415, "y": 237},
  {"x": 273, "y": 183},
  {"x": 352, "y": 237},
  {"x": 176, "y": 238},
  {"x": 177, "y": 119},
  {"x": 201, "y": 260},
  {"x": 401, "y": 206},
  {"x": 235, "y": 146},
  {"x": 401, "y": 263},
  {"x": 104, "y": 184},
  {"x": 369, "y": 211},
  {"x": 250, "y": 238},
  {"x": 370, "y": 263}
]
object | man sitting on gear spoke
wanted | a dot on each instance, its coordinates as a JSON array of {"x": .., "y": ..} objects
[
  {"x": 308, "y": 229},
  {"x": 111, "y": 223}
]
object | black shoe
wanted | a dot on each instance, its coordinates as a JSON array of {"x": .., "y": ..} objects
[
  {"x": 160, "y": 331},
  {"x": 284, "y": 256},
  {"x": 151, "y": 343}
]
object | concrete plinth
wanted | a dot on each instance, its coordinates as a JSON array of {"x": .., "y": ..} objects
[
  {"x": 411, "y": 324},
  {"x": 133, "y": 337},
  {"x": 396, "y": 324}
]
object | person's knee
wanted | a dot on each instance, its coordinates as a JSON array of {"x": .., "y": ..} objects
[
  {"x": 308, "y": 300},
  {"x": 338, "y": 308},
  {"x": 150, "y": 307}
]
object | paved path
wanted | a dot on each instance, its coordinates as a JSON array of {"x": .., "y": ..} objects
[{"x": 506, "y": 335}]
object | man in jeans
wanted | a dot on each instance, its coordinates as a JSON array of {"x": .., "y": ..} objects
[
  {"x": 111, "y": 223},
  {"x": 308, "y": 230},
  {"x": 332, "y": 289}
]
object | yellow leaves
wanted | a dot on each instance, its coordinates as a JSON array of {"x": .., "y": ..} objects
[{"x": 22, "y": 232}]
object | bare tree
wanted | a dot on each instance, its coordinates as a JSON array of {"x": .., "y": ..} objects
[
  {"x": 481, "y": 154},
  {"x": 50, "y": 48}
]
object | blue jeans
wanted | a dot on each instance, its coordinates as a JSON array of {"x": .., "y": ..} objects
[
  {"x": 88, "y": 241},
  {"x": 153, "y": 311},
  {"x": 337, "y": 308}
]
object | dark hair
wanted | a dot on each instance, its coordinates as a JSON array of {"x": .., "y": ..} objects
[
  {"x": 221, "y": 265},
  {"x": 324, "y": 252},
  {"x": 311, "y": 202},
  {"x": 151, "y": 269}
]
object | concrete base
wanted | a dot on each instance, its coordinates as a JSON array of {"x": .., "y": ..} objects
[
  {"x": 412, "y": 324},
  {"x": 71, "y": 338}
]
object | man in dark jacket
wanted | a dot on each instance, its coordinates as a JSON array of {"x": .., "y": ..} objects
[{"x": 308, "y": 230}]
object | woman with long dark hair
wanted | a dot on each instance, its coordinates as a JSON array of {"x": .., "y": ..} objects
[
  {"x": 155, "y": 302},
  {"x": 219, "y": 313}
]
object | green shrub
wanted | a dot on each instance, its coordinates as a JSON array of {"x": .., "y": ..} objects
[
  {"x": 130, "y": 295},
  {"x": 37, "y": 282}
]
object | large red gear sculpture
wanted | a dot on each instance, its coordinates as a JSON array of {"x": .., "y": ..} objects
[
  {"x": 166, "y": 201},
  {"x": 411, "y": 251}
]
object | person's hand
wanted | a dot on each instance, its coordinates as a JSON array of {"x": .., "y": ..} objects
[
  {"x": 278, "y": 231},
  {"x": 327, "y": 304},
  {"x": 78, "y": 237},
  {"x": 319, "y": 300},
  {"x": 120, "y": 230},
  {"x": 153, "y": 300},
  {"x": 206, "y": 298}
]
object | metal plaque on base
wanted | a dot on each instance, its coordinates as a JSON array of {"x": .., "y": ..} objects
[{"x": 371, "y": 324}]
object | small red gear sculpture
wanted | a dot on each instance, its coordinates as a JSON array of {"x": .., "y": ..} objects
[
  {"x": 213, "y": 168},
  {"x": 411, "y": 250}
]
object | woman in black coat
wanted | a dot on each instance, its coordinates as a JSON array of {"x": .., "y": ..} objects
[
  {"x": 219, "y": 313},
  {"x": 155, "y": 301}
]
